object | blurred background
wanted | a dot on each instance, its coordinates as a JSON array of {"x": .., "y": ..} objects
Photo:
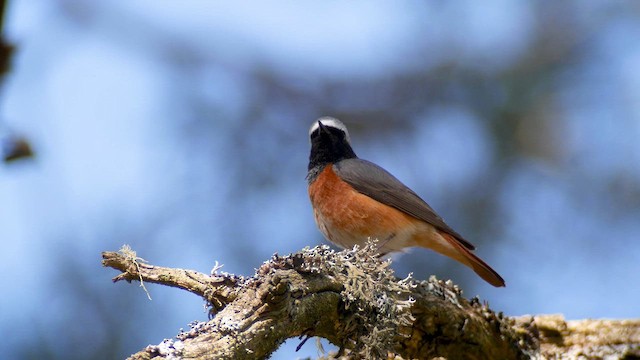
[{"x": 180, "y": 128}]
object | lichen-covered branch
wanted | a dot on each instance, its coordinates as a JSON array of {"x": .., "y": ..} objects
[
  {"x": 352, "y": 299},
  {"x": 592, "y": 339},
  {"x": 217, "y": 289}
]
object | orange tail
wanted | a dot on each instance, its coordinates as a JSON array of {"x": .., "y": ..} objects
[{"x": 458, "y": 252}]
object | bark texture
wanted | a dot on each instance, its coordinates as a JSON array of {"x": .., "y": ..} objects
[{"x": 353, "y": 299}]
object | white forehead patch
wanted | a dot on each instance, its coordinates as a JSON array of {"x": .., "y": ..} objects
[{"x": 330, "y": 122}]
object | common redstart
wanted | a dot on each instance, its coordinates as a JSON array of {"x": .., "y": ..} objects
[{"x": 354, "y": 200}]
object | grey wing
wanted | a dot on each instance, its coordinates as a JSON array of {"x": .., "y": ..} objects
[{"x": 372, "y": 180}]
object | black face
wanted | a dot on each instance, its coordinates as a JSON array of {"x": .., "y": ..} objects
[{"x": 328, "y": 145}]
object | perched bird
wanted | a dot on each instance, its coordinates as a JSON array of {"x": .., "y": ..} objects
[{"x": 354, "y": 200}]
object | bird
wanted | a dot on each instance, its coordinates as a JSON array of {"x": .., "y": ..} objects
[{"x": 355, "y": 200}]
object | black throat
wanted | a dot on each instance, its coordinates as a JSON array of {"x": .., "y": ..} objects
[{"x": 328, "y": 146}]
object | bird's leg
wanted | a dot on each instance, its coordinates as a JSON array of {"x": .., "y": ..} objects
[{"x": 384, "y": 242}]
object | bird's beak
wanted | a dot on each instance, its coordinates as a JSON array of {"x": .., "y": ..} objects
[{"x": 322, "y": 127}]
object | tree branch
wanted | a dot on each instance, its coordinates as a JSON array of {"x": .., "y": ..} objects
[
  {"x": 593, "y": 339},
  {"x": 217, "y": 290},
  {"x": 353, "y": 299}
]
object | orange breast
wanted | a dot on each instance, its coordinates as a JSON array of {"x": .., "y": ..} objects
[{"x": 347, "y": 217}]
